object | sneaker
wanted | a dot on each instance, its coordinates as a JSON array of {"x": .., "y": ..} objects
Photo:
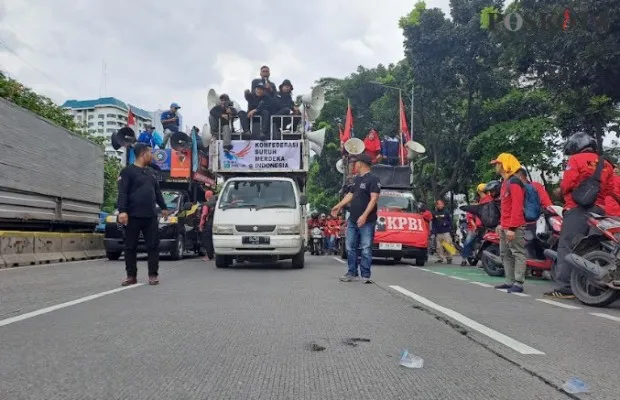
[
  {"x": 504, "y": 286},
  {"x": 515, "y": 289},
  {"x": 130, "y": 280},
  {"x": 438, "y": 261},
  {"x": 153, "y": 280},
  {"x": 366, "y": 280},
  {"x": 463, "y": 263},
  {"x": 563, "y": 293},
  {"x": 348, "y": 278}
]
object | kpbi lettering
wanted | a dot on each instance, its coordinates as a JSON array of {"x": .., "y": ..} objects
[{"x": 400, "y": 224}]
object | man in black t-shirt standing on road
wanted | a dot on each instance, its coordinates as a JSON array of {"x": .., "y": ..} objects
[
  {"x": 362, "y": 197},
  {"x": 138, "y": 193}
]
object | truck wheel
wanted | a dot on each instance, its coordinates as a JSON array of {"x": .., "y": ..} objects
[
  {"x": 222, "y": 261},
  {"x": 298, "y": 260},
  {"x": 113, "y": 255},
  {"x": 179, "y": 249},
  {"x": 419, "y": 262}
]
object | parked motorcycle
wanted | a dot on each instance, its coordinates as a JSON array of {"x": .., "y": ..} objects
[
  {"x": 595, "y": 278},
  {"x": 489, "y": 238},
  {"x": 317, "y": 242},
  {"x": 538, "y": 263},
  {"x": 488, "y": 253}
]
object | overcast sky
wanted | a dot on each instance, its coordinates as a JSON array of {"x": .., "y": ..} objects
[{"x": 157, "y": 52}]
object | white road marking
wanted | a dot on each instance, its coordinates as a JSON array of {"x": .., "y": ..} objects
[
  {"x": 606, "y": 316},
  {"x": 46, "y": 310},
  {"x": 493, "y": 334},
  {"x": 481, "y": 284},
  {"x": 558, "y": 304},
  {"x": 458, "y": 278},
  {"x": 424, "y": 269},
  {"x": 339, "y": 260},
  {"x": 23, "y": 267},
  {"x": 438, "y": 273}
]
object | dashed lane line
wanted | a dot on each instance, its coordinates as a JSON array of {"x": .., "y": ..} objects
[
  {"x": 606, "y": 316},
  {"x": 339, "y": 260},
  {"x": 481, "y": 284},
  {"x": 558, "y": 304},
  {"x": 458, "y": 278},
  {"x": 470, "y": 323}
]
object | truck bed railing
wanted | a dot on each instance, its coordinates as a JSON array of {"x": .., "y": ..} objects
[{"x": 281, "y": 128}]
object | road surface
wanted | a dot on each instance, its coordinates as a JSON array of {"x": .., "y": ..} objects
[{"x": 69, "y": 331}]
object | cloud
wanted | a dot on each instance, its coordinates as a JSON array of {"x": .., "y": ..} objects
[{"x": 157, "y": 52}]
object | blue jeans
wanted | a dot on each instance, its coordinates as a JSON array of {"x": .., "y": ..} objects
[
  {"x": 468, "y": 245},
  {"x": 360, "y": 237}
]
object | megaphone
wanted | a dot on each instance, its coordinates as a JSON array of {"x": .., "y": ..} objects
[
  {"x": 124, "y": 137},
  {"x": 316, "y": 139},
  {"x": 414, "y": 149},
  {"x": 354, "y": 146},
  {"x": 213, "y": 99},
  {"x": 180, "y": 141},
  {"x": 313, "y": 103},
  {"x": 340, "y": 166}
]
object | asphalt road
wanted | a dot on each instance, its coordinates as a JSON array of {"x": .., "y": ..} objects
[{"x": 69, "y": 331}]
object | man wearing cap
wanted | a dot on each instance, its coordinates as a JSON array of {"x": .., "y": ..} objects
[
  {"x": 362, "y": 197},
  {"x": 262, "y": 105},
  {"x": 170, "y": 118},
  {"x": 221, "y": 118},
  {"x": 150, "y": 137},
  {"x": 512, "y": 223}
]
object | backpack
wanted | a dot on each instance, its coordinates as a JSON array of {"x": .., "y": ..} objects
[
  {"x": 531, "y": 204},
  {"x": 586, "y": 193},
  {"x": 489, "y": 213}
]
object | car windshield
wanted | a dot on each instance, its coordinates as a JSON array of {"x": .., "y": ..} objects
[
  {"x": 171, "y": 199},
  {"x": 258, "y": 194},
  {"x": 403, "y": 201}
]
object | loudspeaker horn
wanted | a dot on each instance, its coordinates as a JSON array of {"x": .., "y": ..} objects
[
  {"x": 180, "y": 141},
  {"x": 124, "y": 137},
  {"x": 206, "y": 135},
  {"x": 340, "y": 166},
  {"x": 316, "y": 139},
  {"x": 354, "y": 146},
  {"x": 313, "y": 103},
  {"x": 414, "y": 149},
  {"x": 213, "y": 99}
]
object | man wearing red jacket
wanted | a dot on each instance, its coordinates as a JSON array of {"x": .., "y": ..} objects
[
  {"x": 512, "y": 224},
  {"x": 583, "y": 159}
]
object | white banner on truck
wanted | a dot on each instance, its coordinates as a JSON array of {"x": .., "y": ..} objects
[{"x": 261, "y": 155}]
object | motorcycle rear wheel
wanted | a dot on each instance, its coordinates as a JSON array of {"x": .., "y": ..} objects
[
  {"x": 587, "y": 293},
  {"x": 492, "y": 268}
]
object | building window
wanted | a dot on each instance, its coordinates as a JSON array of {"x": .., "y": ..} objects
[
  {"x": 110, "y": 115},
  {"x": 100, "y": 123},
  {"x": 91, "y": 131},
  {"x": 91, "y": 116},
  {"x": 111, "y": 123},
  {"x": 110, "y": 130},
  {"x": 121, "y": 116},
  {"x": 91, "y": 123},
  {"x": 100, "y": 130},
  {"x": 100, "y": 116}
]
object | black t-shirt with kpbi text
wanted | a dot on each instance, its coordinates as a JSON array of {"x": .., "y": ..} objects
[{"x": 362, "y": 187}]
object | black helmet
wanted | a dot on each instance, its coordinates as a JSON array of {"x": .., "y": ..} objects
[
  {"x": 578, "y": 142},
  {"x": 493, "y": 188},
  {"x": 314, "y": 215}
]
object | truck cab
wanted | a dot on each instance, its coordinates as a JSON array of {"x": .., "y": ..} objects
[{"x": 260, "y": 215}]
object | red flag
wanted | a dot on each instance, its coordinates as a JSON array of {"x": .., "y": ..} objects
[
  {"x": 405, "y": 135},
  {"x": 348, "y": 125},
  {"x": 131, "y": 119}
]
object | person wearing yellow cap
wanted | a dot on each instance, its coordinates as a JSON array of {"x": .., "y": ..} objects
[
  {"x": 472, "y": 228},
  {"x": 512, "y": 223}
]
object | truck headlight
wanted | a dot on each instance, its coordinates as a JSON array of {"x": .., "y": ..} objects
[
  {"x": 288, "y": 230},
  {"x": 223, "y": 229}
]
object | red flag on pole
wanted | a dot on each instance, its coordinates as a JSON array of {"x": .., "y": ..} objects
[
  {"x": 348, "y": 125},
  {"x": 131, "y": 119},
  {"x": 404, "y": 133}
]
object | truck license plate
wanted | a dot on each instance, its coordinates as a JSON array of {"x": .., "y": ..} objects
[
  {"x": 255, "y": 240},
  {"x": 390, "y": 246}
]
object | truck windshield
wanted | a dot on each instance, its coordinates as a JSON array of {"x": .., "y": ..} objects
[
  {"x": 258, "y": 194},
  {"x": 171, "y": 199},
  {"x": 402, "y": 201}
]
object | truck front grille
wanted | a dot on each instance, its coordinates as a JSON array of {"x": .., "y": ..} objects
[{"x": 259, "y": 228}]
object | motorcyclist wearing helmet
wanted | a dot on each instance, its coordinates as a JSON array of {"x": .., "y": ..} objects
[
  {"x": 582, "y": 161},
  {"x": 473, "y": 225},
  {"x": 492, "y": 189}
]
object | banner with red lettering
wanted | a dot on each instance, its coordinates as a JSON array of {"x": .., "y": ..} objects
[{"x": 408, "y": 229}]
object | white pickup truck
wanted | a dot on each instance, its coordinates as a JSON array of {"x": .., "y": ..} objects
[{"x": 260, "y": 214}]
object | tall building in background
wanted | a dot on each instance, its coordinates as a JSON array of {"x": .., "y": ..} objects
[{"x": 102, "y": 117}]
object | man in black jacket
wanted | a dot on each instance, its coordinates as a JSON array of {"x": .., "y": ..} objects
[
  {"x": 287, "y": 106},
  {"x": 264, "y": 106},
  {"x": 221, "y": 118},
  {"x": 138, "y": 194}
]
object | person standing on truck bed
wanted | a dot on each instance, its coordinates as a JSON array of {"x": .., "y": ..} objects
[
  {"x": 363, "y": 196},
  {"x": 138, "y": 193},
  {"x": 221, "y": 118},
  {"x": 170, "y": 121}
]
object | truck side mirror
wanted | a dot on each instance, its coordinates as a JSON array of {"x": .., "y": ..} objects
[
  {"x": 187, "y": 206},
  {"x": 303, "y": 200}
]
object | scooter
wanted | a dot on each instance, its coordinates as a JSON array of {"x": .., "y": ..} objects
[
  {"x": 488, "y": 253},
  {"x": 538, "y": 263},
  {"x": 595, "y": 277},
  {"x": 489, "y": 238},
  {"x": 317, "y": 242}
]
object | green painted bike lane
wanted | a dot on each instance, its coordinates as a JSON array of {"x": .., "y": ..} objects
[{"x": 475, "y": 274}]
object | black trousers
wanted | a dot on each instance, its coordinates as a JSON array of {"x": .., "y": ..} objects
[
  {"x": 207, "y": 240},
  {"x": 150, "y": 229}
]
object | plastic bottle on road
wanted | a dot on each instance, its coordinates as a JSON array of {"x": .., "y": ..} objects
[
  {"x": 410, "y": 360},
  {"x": 574, "y": 386}
]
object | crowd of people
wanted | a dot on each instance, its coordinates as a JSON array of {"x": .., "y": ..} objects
[{"x": 332, "y": 230}]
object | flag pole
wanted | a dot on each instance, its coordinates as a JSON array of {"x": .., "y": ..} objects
[{"x": 400, "y": 124}]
